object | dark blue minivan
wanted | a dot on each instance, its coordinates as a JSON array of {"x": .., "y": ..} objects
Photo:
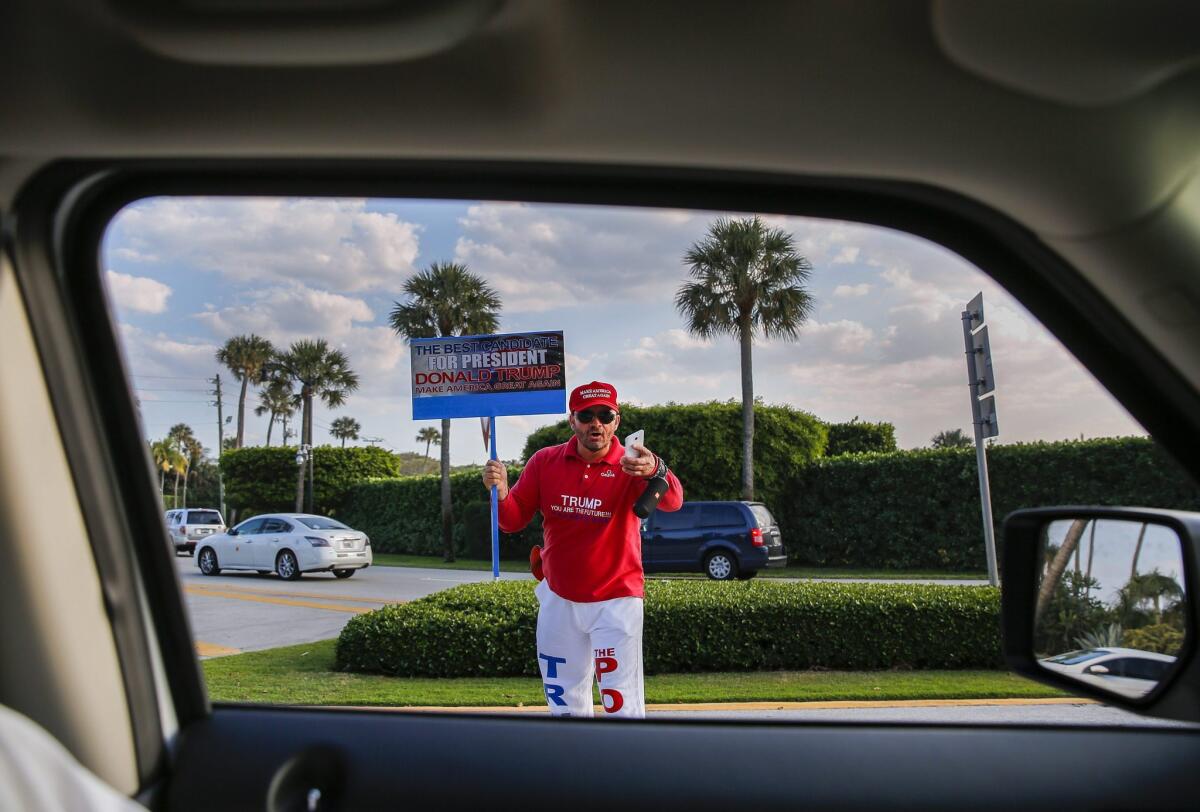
[{"x": 724, "y": 540}]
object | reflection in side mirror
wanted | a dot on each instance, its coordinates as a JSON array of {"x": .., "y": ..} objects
[
  {"x": 232, "y": 531},
  {"x": 1112, "y": 605}
]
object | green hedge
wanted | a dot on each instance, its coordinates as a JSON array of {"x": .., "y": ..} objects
[
  {"x": 405, "y": 516},
  {"x": 693, "y": 626},
  {"x": 262, "y": 479},
  {"x": 702, "y": 442},
  {"x": 920, "y": 509},
  {"x": 859, "y": 438}
]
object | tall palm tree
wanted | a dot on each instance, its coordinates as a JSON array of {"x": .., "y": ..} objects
[
  {"x": 182, "y": 439},
  {"x": 194, "y": 453},
  {"x": 247, "y": 358},
  {"x": 345, "y": 428},
  {"x": 1054, "y": 569},
  {"x": 163, "y": 452},
  {"x": 321, "y": 372},
  {"x": 747, "y": 280},
  {"x": 445, "y": 300},
  {"x": 278, "y": 400},
  {"x": 427, "y": 436}
]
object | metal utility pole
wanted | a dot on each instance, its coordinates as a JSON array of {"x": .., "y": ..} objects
[
  {"x": 220, "y": 447},
  {"x": 983, "y": 414}
]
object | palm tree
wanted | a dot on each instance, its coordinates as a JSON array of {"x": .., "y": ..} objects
[
  {"x": 950, "y": 438},
  {"x": 747, "y": 280},
  {"x": 276, "y": 399},
  {"x": 445, "y": 300},
  {"x": 345, "y": 428},
  {"x": 194, "y": 453},
  {"x": 1054, "y": 569},
  {"x": 1150, "y": 587},
  {"x": 182, "y": 440},
  {"x": 427, "y": 436},
  {"x": 321, "y": 372},
  {"x": 163, "y": 452},
  {"x": 247, "y": 358}
]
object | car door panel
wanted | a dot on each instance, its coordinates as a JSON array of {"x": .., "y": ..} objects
[{"x": 355, "y": 758}]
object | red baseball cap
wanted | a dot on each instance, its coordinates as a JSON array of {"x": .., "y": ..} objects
[{"x": 595, "y": 393}]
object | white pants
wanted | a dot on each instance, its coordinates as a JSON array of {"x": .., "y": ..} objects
[{"x": 578, "y": 640}]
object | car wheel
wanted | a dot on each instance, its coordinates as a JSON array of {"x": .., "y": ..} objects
[
  {"x": 208, "y": 562},
  {"x": 286, "y": 566},
  {"x": 720, "y": 566},
  {"x": 342, "y": 573}
]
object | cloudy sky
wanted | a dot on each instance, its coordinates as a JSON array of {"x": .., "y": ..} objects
[{"x": 884, "y": 343}]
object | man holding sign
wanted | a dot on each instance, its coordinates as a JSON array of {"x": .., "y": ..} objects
[{"x": 590, "y": 569}]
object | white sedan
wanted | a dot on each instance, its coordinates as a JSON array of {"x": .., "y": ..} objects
[
  {"x": 1129, "y": 672},
  {"x": 288, "y": 544}
]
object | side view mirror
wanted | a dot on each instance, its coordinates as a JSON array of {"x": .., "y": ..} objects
[
  {"x": 232, "y": 531},
  {"x": 1100, "y": 601}
]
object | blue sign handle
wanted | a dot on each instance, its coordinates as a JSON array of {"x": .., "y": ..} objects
[{"x": 495, "y": 509}]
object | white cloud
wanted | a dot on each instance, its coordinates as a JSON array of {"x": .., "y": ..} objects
[
  {"x": 287, "y": 313},
  {"x": 544, "y": 257},
  {"x": 844, "y": 291},
  {"x": 329, "y": 243},
  {"x": 138, "y": 293}
]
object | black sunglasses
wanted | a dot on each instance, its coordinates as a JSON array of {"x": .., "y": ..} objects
[{"x": 606, "y": 416}]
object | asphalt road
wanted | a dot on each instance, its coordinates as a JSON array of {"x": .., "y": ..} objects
[{"x": 244, "y": 611}]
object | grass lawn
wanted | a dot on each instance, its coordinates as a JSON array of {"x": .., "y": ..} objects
[
  {"x": 302, "y": 675},
  {"x": 435, "y": 562}
]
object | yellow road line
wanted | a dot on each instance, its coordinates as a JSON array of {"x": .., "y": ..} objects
[
  {"x": 201, "y": 588},
  {"x": 213, "y": 650},
  {"x": 242, "y": 596},
  {"x": 772, "y": 706}
]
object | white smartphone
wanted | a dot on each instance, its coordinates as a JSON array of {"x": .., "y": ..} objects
[{"x": 633, "y": 441}]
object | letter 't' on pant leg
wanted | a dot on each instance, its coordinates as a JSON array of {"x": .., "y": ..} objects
[{"x": 564, "y": 656}]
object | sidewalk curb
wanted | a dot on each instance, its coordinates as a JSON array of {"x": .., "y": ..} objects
[{"x": 759, "y": 706}]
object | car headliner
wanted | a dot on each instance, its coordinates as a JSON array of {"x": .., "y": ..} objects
[{"x": 1090, "y": 138}]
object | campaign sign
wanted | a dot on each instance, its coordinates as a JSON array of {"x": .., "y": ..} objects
[{"x": 488, "y": 376}]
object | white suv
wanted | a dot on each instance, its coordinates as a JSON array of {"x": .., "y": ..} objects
[{"x": 186, "y": 526}]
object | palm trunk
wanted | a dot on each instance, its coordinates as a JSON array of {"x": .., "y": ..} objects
[
  {"x": 747, "y": 413},
  {"x": 447, "y": 518},
  {"x": 270, "y": 425},
  {"x": 175, "y": 492},
  {"x": 242, "y": 411},
  {"x": 427, "y": 444},
  {"x": 343, "y": 442},
  {"x": 1057, "y": 565},
  {"x": 185, "y": 479},
  {"x": 1091, "y": 550},
  {"x": 310, "y": 505},
  {"x": 1137, "y": 551}
]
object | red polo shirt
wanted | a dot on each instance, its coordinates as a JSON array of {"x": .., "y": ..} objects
[{"x": 593, "y": 542}]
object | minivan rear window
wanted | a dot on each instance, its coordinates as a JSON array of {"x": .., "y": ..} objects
[
  {"x": 203, "y": 517},
  {"x": 722, "y": 516},
  {"x": 762, "y": 515}
]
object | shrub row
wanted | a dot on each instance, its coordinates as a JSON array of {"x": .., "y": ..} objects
[
  {"x": 920, "y": 509},
  {"x": 693, "y": 626},
  {"x": 405, "y": 516},
  {"x": 702, "y": 442},
  {"x": 860, "y": 438},
  {"x": 262, "y": 479}
]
